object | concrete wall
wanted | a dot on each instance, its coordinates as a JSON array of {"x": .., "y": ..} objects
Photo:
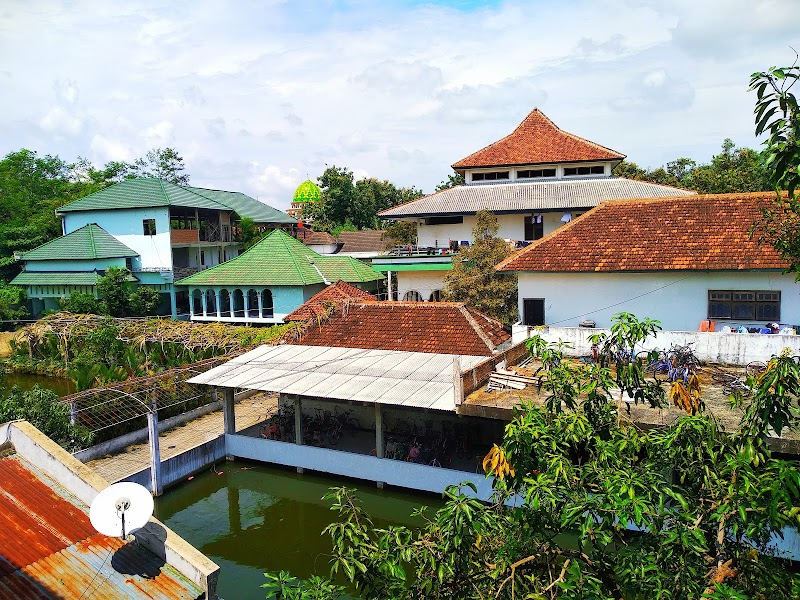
[
  {"x": 370, "y": 468},
  {"x": 179, "y": 467},
  {"x": 424, "y": 282},
  {"x": 679, "y": 299},
  {"x": 126, "y": 225},
  {"x": 512, "y": 227},
  {"x": 723, "y": 348},
  {"x": 74, "y": 265},
  {"x": 134, "y": 437}
]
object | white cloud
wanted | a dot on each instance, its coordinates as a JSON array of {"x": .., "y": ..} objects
[{"x": 396, "y": 91}]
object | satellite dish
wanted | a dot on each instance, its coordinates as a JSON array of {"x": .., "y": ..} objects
[{"x": 121, "y": 508}]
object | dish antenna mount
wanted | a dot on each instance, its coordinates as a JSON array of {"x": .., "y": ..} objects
[{"x": 121, "y": 509}]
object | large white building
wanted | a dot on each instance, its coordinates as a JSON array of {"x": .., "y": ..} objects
[{"x": 534, "y": 180}]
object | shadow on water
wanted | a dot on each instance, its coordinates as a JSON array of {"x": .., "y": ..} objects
[{"x": 263, "y": 518}]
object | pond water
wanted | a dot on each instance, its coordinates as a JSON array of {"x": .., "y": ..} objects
[
  {"x": 26, "y": 381},
  {"x": 254, "y": 518}
]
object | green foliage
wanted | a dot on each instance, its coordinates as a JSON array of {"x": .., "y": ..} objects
[
  {"x": 81, "y": 303},
  {"x": 249, "y": 235},
  {"x": 12, "y": 303},
  {"x": 144, "y": 301},
  {"x": 354, "y": 203},
  {"x": 600, "y": 510},
  {"x": 732, "y": 170},
  {"x": 162, "y": 163},
  {"x": 778, "y": 115},
  {"x": 400, "y": 233},
  {"x": 115, "y": 290},
  {"x": 42, "y": 408},
  {"x": 452, "y": 180},
  {"x": 474, "y": 279}
]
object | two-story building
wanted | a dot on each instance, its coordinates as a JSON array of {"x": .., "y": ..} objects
[
  {"x": 534, "y": 180},
  {"x": 168, "y": 232}
]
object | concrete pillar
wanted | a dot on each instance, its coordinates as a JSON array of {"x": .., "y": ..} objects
[
  {"x": 231, "y": 295},
  {"x": 389, "y": 283},
  {"x": 379, "y": 435},
  {"x": 260, "y": 304},
  {"x": 204, "y": 302},
  {"x": 155, "y": 451},
  {"x": 217, "y": 296},
  {"x": 298, "y": 425},
  {"x": 246, "y": 299},
  {"x": 73, "y": 413},
  {"x": 228, "y": 412},
  {"x": 173, "y": 301},
  {"x": 191, "y": 303},
  {"x": 458, "y": 382}
]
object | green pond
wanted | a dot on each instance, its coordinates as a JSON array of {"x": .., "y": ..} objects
[
  {"x": 26, "y": 381},
  {"x": 254, "y": 518}
]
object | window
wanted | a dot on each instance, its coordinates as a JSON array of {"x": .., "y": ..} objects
[
  {"x": 595, "y": 170},
  {"x": 456, "y": 220},
  {"x": 149, "y": 226},
  {"x": 744, "y": 305},
  {"x": 490, "y": 176},
  {"x": 436, "y": 296},
  {"x": 412, "y": 296},
  {"x": 534, "y": 228},
  {"x": 531, "y": 173},
  {"x": 533, "y": 311}
]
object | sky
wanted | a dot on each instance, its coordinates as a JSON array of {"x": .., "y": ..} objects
[{"x": 259, "y": 95}]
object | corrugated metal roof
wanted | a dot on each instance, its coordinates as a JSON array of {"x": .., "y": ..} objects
[
  {"x": 49, "y": 549},
  {"x": 526, "y": 197},
  {"x": 373, "y": 376},
  {"x": 90, "y": 242}
]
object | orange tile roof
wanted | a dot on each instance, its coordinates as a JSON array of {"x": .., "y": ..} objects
[
  {"x": 703, "y": 232},
  {"x": 433, "y": 327},
  {"x": 338, "y": 293},
  {"x": 537, "y": 140}
]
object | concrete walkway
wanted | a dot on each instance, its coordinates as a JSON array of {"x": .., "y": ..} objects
[{"x": 135, "y": 458}]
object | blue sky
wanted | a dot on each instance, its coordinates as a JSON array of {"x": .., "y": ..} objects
[{"x": 258, "y": 94}]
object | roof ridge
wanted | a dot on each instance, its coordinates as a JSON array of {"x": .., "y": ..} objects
[
  {"x": 290, "y": 252},
  {"x": 476, "y": 326},
  {"x": 91, "y": 240}
]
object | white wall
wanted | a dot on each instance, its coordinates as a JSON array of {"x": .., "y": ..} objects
[
  {"x": 126, "y": 225},
  {"x": 422, "y": 281},
  {"x": 512, "y": 227},
  {"x": 679, "y": 299},
  {"x": 74, "y": 265}
]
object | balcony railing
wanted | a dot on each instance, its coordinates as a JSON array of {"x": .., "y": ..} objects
[{"x": 194, "y": 236}]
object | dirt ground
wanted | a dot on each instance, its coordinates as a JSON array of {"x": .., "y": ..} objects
[
  {"x": 499, "y": 404},
  {"x": 5, "y": 348}
]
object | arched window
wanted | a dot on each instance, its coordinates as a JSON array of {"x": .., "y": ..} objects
[
  {"x": 266, "y": 299},
  {"x": 412, "y": 296},
  {"x": 252, "y": 303},
  {"x": 225, "y": 303},
  {"x": 211, "y": 302},
  {"x": 238, "y": 303},
  {"x": 197, "y": 302},
  {"x": 436, "y": 296}
]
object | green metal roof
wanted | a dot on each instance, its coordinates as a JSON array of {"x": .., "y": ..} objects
[
  {"x": 308, "y": 191},
  {"x": 90, "y": 242},
  {"x": 279, "y": 259},
  {"x": 383, "y": 268},
  {"x": 142, "y": 193},
  {"x": 60, "y": 278},
  {"x": 245, "y": 206}
]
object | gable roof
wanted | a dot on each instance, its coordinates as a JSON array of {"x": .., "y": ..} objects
[
  {"x": 338, "y": 293},
  {"x": 90, "y": 242},
  {"x": 537, "y": 140},
  {"x": 432, "y": 327},
  {"x": 703, "y": 232},
  {"x": 279, "y": 259},
  {"x": 142, "y": 192},
  {"x": 529, "y": 197},
  {"x": 245, "y": 206},
  {"x": 365, "y": 240},
  {"x": 316, "y": 238}
]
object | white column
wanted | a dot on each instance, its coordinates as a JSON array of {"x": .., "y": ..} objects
[
  {"x": 191, "y": 303},
  {"x": 204, "y": 302},
  {"x": 246, "y": 299},
  {"x": 389, "y": 283},
  {"x": 217, "y": 296},
  {"x": 260, "y": 305},
  {"x": 230, "y": 300}
]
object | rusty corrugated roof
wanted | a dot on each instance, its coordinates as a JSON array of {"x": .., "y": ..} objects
[{"x": 49, "y": 549}]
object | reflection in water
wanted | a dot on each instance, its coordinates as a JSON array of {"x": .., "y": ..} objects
[
  {"x": 26, "y": 381},
  {"x": 269, "y": 519}
]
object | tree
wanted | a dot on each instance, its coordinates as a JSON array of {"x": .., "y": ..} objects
[
  {"x": 452, "y": 180},
  {"x": 400, "y": 233},
  {"x": 601, "y": 509},
  {"x": 777, "y": 114},
  {"x": 474, "y": 279},
  {"x": 81, "y": 303},
  {"x": 122, "y": 298},
  {"x": 346, "y": 202},
  {"x": 162, "y": 163},
  {"x": 12, "y": 303},
  {"x": 42, "y": 408}
]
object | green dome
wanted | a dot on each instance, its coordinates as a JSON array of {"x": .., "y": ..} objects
[{"x": 308, "y": 191}]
